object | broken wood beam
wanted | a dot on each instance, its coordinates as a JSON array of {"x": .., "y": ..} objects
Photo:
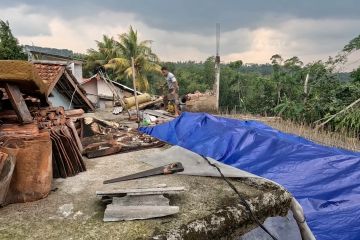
[
  {"x": 151, "y": 103},
  {"x": 18, "y": 103},
  {"x": 74, "y": 113}
]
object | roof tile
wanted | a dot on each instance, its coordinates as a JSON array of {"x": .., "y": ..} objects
[{"x": 49, "y": 72}]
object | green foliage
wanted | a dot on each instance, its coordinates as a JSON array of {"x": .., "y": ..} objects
[
  {"x": 276, "y": 89},
  {"x": 353, "y": 45},
  {"x": 355, "y": 75},
  {"x": 116, "y": 55},
  {"x": 9, "y": 46}
]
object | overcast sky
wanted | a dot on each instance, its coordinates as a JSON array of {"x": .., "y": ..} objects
[{"x": 185, "y": 29}]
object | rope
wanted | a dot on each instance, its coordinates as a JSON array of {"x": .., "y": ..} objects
[
  {"x": 242, "y": 199},
  {"x": 72, "y": 97}
]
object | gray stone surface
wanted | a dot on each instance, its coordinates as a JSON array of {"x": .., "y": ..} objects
[
  {"x": 209, "y": 209},
  {"x": 193, "y": 163}
]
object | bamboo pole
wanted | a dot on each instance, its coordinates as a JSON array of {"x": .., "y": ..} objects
[{"x": 135, "y": 92}]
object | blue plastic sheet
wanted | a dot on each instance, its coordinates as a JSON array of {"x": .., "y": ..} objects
[{"x": 325, "y": 180}]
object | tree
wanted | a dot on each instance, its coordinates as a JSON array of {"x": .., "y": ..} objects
[
  {"x": 9, "y": 45},
  {"x": 106, "y": 50},
  {"x": 353, "y": 45},
  {"x": 145, "y": 60},
  {"x": 355, "y": 75}
]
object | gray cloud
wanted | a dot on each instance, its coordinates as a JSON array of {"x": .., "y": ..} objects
[
  {"x": 184, "y": 29},
  {"x": 200, "y": 16}
]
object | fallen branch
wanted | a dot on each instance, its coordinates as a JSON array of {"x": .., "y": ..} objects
[{"x": 336, "y": 114}]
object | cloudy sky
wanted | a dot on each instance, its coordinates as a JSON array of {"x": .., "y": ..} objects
[{"x": 185, "y": 29}]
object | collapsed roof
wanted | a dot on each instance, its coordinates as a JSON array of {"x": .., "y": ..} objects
[{"x": 40, "y": 79}]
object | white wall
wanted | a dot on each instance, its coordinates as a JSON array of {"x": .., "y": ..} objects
[
  {"x": 103, "y": 89},
  {"x": 76, "y": 69},
  {"x": 91, "y": 91},
  {"x": 58, "y": 100}
]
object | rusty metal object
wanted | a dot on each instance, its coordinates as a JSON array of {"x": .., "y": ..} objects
[
  {"x": 164, "y": 170},
  {"x": 67, "y": 159},
  {"x": 103, "y": 138},
  {"x": 32, "y": 174},
  {"x": 103, "y": 151},
  {"x": 7, "y": 165},
  {"x": 70, "y": 124},
  {"x": 16, "y": 130}
]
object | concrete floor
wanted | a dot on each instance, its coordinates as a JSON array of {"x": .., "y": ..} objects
[{"x": 209, "y": 209}]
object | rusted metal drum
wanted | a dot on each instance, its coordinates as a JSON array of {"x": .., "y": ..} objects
[{"x": 32, "y": 175}]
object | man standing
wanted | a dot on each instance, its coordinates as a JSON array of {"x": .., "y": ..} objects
[{"x": 173, "y": 93}]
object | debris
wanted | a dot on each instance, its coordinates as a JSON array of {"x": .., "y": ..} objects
[
  {"x": 67, "y": 159},
  {"x": 7, "y": 165},
  {"x": 143, "y": 98},
  {"x": 164, "y": 170},
  {"x": 151, "y": 103},
  {"x": 200, "y": 102},
  {"x": 18, "y": 103},
  {"x": 140, "y": 191},
  {"x": 117, "y": 110},
  {"x": 67, "y": 147},
  {"x": 32, "y": 176},
  {"x": 74, "y": 113},
  {"x": 101, "y": 138},
  {"x": 146, "y": 200},
  {"x": 139, "y": 203},
  {"x": 78, "y": 214},
  {"x": 115, "y": 212},
  {"x": 66, "y": 210}
]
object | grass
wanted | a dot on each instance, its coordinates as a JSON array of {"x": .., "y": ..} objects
[{"x": 334, "y": 139}]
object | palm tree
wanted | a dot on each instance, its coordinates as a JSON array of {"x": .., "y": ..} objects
[
  {"x": 107, "y": 50},
  {"x": 145, "y": 60}
]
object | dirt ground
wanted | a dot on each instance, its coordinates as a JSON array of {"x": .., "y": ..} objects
[{"x": 208, "y": 208}]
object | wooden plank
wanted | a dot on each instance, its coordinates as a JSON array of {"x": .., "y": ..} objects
[
  {"x": 18, "y": 103},
  {"x": 73, "y": 83},
  {"x": 151, "y": 103},
  {"x": 141, "y": 200},
  {"x": 119, "y": 213},
  {"x": 158, "y": 114},
  {"x": 141, "y": 191}
]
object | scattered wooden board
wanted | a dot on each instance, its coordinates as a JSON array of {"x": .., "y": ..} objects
[
  {"x": 141, "y": 191},
  {"x": 141, "y": 200},
  {"x": 119, "y": 213}
]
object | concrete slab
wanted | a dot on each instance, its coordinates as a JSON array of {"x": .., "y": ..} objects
[{"x": 209, "y": 209}]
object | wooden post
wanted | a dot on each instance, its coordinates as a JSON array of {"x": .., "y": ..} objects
[
  {"x": 134, "y": 83},
  {"x": 18, "y": 103},
  {"x": 306, "y": 84},
  {"x": 217, "y": 67}
]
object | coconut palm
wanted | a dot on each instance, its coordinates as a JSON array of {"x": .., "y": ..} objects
[
  {"x": 106, "y": 50},
  {"x": 145, "y": 61}
]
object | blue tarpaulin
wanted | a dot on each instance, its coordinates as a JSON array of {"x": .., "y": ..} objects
[{"x": 325, "y": 180}]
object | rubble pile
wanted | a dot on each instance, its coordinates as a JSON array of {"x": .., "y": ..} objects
[
  {"x": 67, "y": 157},
  {"x": 37, "y": 141},
  {"x": 101, "y": 138},
  {"x": 199, "y": 102}
]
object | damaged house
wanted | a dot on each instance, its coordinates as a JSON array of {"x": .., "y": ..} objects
[
  {"x": 101, "y": 91},
  {"x": 63, "y": 89}
]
